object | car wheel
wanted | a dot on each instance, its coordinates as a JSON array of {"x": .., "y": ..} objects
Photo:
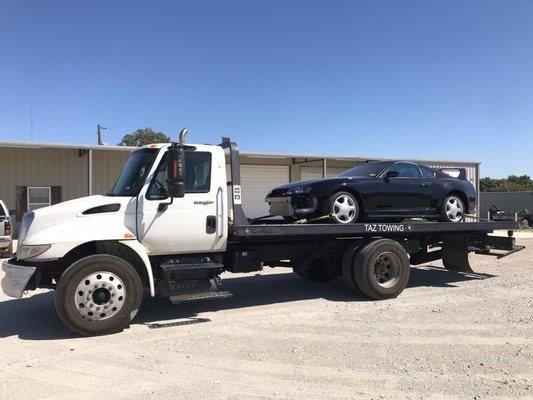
[
  {"x": 98, "y": 295},
  {"x": 525, "y": 223},
  {"x": 343, "y": 208},
  {"x": 453, "y": 209}
]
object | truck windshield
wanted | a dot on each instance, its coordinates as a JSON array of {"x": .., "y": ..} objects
[
  {"x": 134, "y": 173},
  {"x": 368, "y": 170}
]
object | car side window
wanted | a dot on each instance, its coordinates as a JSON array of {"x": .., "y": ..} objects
[
  {"x": 427, "y": 173},
  {"x": 406, "y": 170},
  {"x": 197, "y": 175}
]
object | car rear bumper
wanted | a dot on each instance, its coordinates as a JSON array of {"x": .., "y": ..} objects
[{"x": 16, "y": 279}]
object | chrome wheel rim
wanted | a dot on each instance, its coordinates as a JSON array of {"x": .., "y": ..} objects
[
  {"x": 525, "y": 222},
  {"x": 344, "y": 209},
  {"x": 454, "y": 209},
  {"x": 100, "y": 296},
  {"x": 387, "y": 269}
]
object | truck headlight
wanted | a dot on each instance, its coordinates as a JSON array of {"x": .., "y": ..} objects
[
  {"x": 25, "y": 252},
  {"x": 299, "y": 190}
]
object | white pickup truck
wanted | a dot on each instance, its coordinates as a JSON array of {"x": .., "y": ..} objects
[
  {"x": 168, "y": 227},
  {"x": 6, "y": 243}
]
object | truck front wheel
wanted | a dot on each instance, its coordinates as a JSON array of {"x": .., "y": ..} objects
[{"x": 98, "y": 295}]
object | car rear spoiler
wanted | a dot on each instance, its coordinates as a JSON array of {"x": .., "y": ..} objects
[{"x": 459, "y": 173}]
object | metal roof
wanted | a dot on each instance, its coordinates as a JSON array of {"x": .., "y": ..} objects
[{"x": 43, "y": 145}]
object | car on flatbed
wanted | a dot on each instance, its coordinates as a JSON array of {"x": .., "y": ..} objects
[
  {"x": 168, "y": 227},
  {"x": 381, "y": 190}
]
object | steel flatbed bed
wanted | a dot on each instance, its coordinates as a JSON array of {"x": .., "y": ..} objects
[{"x": 272, "y": 231}]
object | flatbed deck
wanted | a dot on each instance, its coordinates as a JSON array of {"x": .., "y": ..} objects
[{"x": 274, "y": 231}]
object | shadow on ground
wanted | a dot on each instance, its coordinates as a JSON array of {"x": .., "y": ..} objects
[{"x": 34, "y": 318}]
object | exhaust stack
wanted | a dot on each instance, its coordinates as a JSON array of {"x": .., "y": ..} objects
[{"x": 183, "y": 134}]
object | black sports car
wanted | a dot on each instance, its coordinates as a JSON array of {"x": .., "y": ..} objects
[{"x": 384, "y": 190}]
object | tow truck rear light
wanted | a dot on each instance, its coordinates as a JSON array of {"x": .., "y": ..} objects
[{"x": 7, "y": 227}]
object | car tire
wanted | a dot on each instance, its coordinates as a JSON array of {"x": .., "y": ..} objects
[
  {"x": 344, "y": 208},
  {"x": 453, "y": 209},
  {"x": 381, "y": 269},
  {"x": 525, "y": 223},
  {"x": 98, "y": 295}
]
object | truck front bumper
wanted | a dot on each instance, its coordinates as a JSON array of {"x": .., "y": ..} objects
[{"x": 16, "y": 279}]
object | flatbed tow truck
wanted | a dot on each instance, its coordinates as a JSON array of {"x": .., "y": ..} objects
[{"x": 168, "y": 227}]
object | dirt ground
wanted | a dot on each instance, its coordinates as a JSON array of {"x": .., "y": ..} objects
[{"x": 448, "y": 335}]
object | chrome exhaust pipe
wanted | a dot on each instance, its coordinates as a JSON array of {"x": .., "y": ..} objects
[{"x": 183, "y": 134}]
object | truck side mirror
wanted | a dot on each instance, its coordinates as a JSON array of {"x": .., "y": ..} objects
[
  {"x": 391, "y": 174},
  {"x": 176, "y": 172}
]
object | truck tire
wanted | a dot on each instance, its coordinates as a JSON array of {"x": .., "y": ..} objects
[
  {"x": 455, "y": 254},
  {"x": 381, "y": 269},
  {"x": 318, "y": 271},
  {"x": 98, "y": 295},
  {"x": 348, "y": 272}
]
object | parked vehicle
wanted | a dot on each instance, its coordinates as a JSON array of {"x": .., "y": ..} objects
[
  {"x": 525, "y": 217},
  {"x": 167, "y": 226},
  {"x": 6, "y": 242},
  {"x": 381, "y": 190}
]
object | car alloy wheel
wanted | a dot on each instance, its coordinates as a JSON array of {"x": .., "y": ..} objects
[
  {"x": 454, "y": 209},
  {"x": 344, "y": 208}
]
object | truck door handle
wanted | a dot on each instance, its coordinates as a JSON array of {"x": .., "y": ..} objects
[{"x": 211, "y": 224}]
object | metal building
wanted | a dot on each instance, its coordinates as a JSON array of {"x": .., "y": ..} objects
[{"x": 39, "y": 174}]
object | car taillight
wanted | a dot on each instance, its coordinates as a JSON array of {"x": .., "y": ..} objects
[{"x": 7, "y": 227}]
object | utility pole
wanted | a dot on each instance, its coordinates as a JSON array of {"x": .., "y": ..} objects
[{"x": 99, "y": 128}]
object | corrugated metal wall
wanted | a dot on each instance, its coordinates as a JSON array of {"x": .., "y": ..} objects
[
  {"x": 67, "y": 168},
  {"x": 42, "y": 167},
  {"x": 106, "y": 168},
  {"x": 510, "y": 201}
]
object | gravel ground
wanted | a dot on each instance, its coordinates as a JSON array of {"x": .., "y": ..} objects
[{"x": 448, "y": 335}]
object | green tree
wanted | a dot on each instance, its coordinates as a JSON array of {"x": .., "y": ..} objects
[
  {"x": 142, "y": 137},
  {"x": 512, "y": 183}
]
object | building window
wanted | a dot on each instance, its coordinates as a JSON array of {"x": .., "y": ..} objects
[{"x": 39, "y": 197}]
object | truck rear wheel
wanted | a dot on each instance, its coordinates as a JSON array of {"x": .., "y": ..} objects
[
  {"x": 348, "y": 272},
  {"x": 381, "y": 269},
  {"x": 98, "y": 295}
]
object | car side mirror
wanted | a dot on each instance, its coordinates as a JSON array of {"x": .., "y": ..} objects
[
  {"x": 391, "y": 174},
  {"x": 176, "y": 172}
]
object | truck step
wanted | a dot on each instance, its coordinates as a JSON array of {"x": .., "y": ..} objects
[
  {"x": 170, "y": 267},
  {"x": 199, "y": 296}
]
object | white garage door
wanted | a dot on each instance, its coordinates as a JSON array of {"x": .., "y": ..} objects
[
  {"x": 316, "y": 172},
  {"x": 256, "y": 182}
]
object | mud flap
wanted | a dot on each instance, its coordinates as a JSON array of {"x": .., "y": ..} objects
[{"x": 455, "y": 253}]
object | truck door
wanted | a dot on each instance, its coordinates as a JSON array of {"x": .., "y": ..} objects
[{"x": 193, "y": 223}]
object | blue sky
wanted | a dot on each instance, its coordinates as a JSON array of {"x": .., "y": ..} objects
[{"x": 405, "y": 79}]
